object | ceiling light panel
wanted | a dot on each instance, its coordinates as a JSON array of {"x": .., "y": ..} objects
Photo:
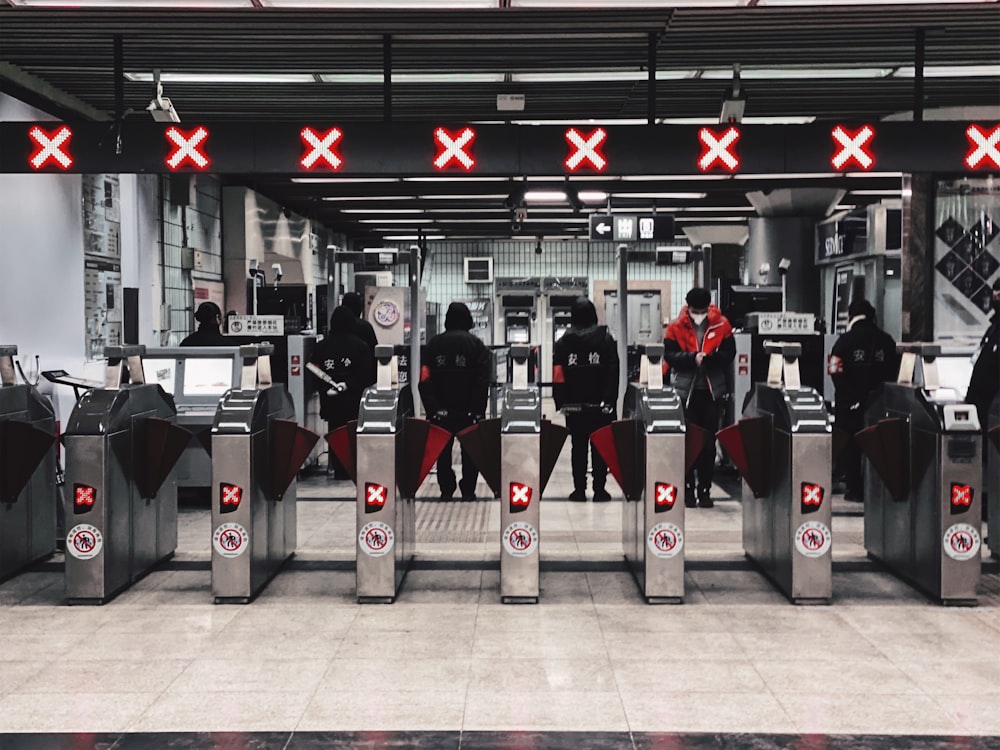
[
  {"x": 546, "y": 196},
  {"x": 380, "y": 4},
  {"x": 950, "y": 71},
  {"x": 764, "y": 74},
  {"x": 134, "y": 3},
  {"x": 222, "y": 77}
]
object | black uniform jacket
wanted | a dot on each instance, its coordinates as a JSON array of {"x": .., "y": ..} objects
[
  {"x": 455, "y": 375},
  {"x": 585, "y": 368},
  {"x": 861, "y": 360}
]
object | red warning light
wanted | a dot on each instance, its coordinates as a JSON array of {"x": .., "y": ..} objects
[
  {"x": 452, "y": 148},
  {"x": 84, "y": 496},
  {"x": 320, "y": 149},
  {"x": 665, "y": 495},
  {"x": 520, "y": 497},
  {"x": 852, "y": 147},
  {"x": 230, "y": 496},
  {"x": 812, "y": 496},
  {"x": 375, "y": 496},
  {"x": 719, "y": 149},
  {"x": 187, "y": 148},
  {"x": 50, "y": 147},
  {"x": 984, "y": 147},
  {"x": 586, "y": 150},
  {"x": 961, "y": 496}
]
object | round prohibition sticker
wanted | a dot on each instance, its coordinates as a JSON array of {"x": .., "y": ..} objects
[
  {"x": 230, "y": 540},
  {"x": 520, "y": 539},
  {"x": 665, "y": 540},
  {"x": 813, "y": 539},
  {"x": 376, "y": 538},
  {"x": 961, "y": 541},
  {"x": 84, "y": 541}
]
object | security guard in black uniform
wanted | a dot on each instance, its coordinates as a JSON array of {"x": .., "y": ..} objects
[
  {"x": 585, "y": 388},
  {"x": 862, "y": 359},
  {"x": 985, "y": 380},
  {"x": 454, "y": 386},
  {"x": 209, "y": 332}
]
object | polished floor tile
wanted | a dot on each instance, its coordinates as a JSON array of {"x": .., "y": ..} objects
[{"x": 581, "y": 710}]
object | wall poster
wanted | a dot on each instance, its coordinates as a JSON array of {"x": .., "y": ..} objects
[{"x": 102, "y": 263}]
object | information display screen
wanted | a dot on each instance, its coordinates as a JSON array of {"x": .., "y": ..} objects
[
  {"x": 162, "y": 372},
  {"x": 207, "y": 377}
]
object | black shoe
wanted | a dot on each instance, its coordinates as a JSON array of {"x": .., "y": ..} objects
[
  {"x": 447, "y": 495},
  {"x": 690, "y": 501},
  {"x": 705, "y": 499},
  {"x": 601, "y": 496},
  {"x": 469, "y": 496},
  {"x": 578, "y": 496}
]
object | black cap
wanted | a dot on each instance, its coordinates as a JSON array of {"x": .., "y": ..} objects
[
  {"x": 698, "y": 298},
  {"x": 207, "y": 312}
]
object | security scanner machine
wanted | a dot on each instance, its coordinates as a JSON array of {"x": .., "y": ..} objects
[
  {"x": 257, "y": 449},
  {"x": 923, "y": 481},
  {"x": 782, "y": 447},
  {"x": 27, "y": 471},
  {"x": 991, "y": 468},
  {"x": 122, "y": 442},
  {"x": 648, "y": 453},
  {"x": 516, "y": 454},
  {"x": 388, "y": 453}
]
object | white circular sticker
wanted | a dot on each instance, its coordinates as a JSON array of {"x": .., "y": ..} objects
[
  {"x": 376, "y": 538},
  {"x": 665, "y": 540},
  {"x": 386, "y": 313},
  {"x": 84, "y": 541},
  {"x": 961, "y": 541},
  {"x": 230, "y": 540},
  {"x": 520, "y": 539},
  {"x": 813, "y": 539}
]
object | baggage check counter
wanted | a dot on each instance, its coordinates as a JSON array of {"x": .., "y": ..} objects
[
  {"x": 782, "y": 447},
  {"x": 388, "y": 454},
  {"x": 27, "y": 471},
  {"x": 516, "y": 454},
  {"x": 122, "y": 443},
  {"x": 923, "y": 482},
  {"x": 649, "y": 453},
  {"x": 257, "y": 449}
]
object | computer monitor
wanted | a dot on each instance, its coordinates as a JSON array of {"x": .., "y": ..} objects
[
  {"x": 742, "y": 299},
  {"x": 207, "y": 377},
  {"x": 162, "y": 372},
  {"x": 954, "y": 372}
]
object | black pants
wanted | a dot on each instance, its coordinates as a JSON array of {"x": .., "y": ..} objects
[
  {"x": 580, "y": 425},
  {"x": 703, "y": 410},
  {"x": 445, "y": 472},
  {"x": 851, "y": 421}
]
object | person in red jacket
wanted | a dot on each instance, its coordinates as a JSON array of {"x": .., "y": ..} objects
[{"x": 699, "y": 348}]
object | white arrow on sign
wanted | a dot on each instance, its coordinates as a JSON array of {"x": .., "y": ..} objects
[{"x": 602, "y": 228}]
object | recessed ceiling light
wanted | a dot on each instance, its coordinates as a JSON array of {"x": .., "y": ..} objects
[
  {"x": 545, "y": 196},
  {"x": 222, "y": 77}
]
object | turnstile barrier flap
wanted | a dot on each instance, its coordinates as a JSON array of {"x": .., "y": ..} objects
[
  {"x": 289, "y": 446},
  {"x": 343, "y": 442},
  {"x": 157, "y": 445},
  {"x": 748, "y": 443},
  {"x": 422, "y": 444},
  {"x": 994, "y": 436},
  {"x": 887, "y": 445},
  {"x": 695, "y": 440},
  {"x": 482, "y": 444},
  {"x": 551, "y": 440},
  {"x": 620, "y": 444},
  {"x": 204, "y": 437},
  {"x": 22, "y": 448}
]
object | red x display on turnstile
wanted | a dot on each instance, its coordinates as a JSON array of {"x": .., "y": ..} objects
[
  {"x": 375, "y": 496},
  {"x": 984, "y": 147},
  {"x": 50, "y": 147},
  {"x": 520, "y": 497},
  {"x": 187, "y": 148},
  {"x": 812, "y": 496},
  {"x": 453, "y": 148},
  {"x": 719, "y": 149},
  {"x": 961, "y": 496},
  {"x": 852, "y": 147},
  {"x": 586, "y": 150},
  {"x": 230, "y": 496},
  {"x": 665, "y": 495},
  {"x": 319, "y": 148},
  {"x": 83, "y": 497}
]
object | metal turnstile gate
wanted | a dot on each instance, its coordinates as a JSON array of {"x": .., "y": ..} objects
[
  {"x": 782, "y": 447},
  {"x": 257, "y": 450},
  {"x": 121, "y": 447},
  {"x": 923, "y": 478},
  {"x": 27, "y": 471},
  {"x": 991, "y": 467}
]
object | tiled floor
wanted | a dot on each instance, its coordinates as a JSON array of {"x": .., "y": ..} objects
[{"x": 448, "y": 665}]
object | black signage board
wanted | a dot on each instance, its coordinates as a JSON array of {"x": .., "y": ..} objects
[{"x": 632, "y": 228}]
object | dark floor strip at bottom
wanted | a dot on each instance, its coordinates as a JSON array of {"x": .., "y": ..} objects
[{"x": 431, "y": 740}]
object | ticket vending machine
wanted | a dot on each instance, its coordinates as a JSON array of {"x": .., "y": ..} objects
[
  {"x": 122, "y": 443},
  {"x": 782, "y": 447},
  {"x": 27, "y": 471},
  {"x": 923, "y": 481},
  {"x": 257, "y": 450}
]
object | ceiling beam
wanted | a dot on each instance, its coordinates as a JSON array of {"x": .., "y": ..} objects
[{"x": 24, "y": 81}]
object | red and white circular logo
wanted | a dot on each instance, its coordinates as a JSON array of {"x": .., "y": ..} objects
[
  {"x": 813, "y": 539},
  {"x": 84, "y": 541},
  {"x": 665, "y": 540},
  {"x": 520, "y": 539},
  {"x": 230, "y": 540},
  {"x": 376, "y": 539},
  {"x": 961, "y": 541}
]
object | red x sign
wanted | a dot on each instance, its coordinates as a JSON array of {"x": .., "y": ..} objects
[
  {"x": 812, "y": 496},
  {"x": 852, "y": 147},
  {"x": 83, "y": 494},
  {"x": 452, "y": 148},
  {"x": 961, "y": 496},
  {"x": 187, "y": 148},
  {"x": 586, "y": 149},
  {"x": 230, "y": 496},
  {"x": 665, "y": 495},
  {"x": 719, "y": 149},
  {"x": 984, "y": 148},
  {"x": 520, "y": 497},
  {"x": 375, "y": 497},
  {"x": 320, "y": 148},
  {"x": 50, "y": 147}
]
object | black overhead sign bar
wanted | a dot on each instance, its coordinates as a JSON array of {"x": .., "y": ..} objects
[{"x": 403, "y": 149}]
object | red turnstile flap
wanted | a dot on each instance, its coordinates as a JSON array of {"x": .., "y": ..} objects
[
  {"x": 994, "y": 436},
  {"x": 289, "y": 445},
  {"x": 343, "y": 443},
  {"x": 22, "y": 448},
  {"x": 887, "y": 445},
  {"x": 482, "y": 443},
  {"x": 695, "y": 439},
  {"x": 553, "y": 437},
  {"x": 840, "y": 439},
  {"x": 204, "y": 438},
  {"x": 422, "y": 444},
  {"x": 620, "y": 444},
  {"x": 748, "y": 443},
  {"x": 158, "y": 446}
]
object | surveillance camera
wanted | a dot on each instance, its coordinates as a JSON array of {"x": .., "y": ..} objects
[
  {"x": 276, "y": 268},
  {"x": 520, "y": 214},
  {"x": 515, "y": 226},
  {"x": 162, "y": 110},
  {"x": 783, "y": 265},
  {"x": 764, "y": 270},
  {"x": 253, "y": 268},
  {"x": 538, "y": 247}
]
